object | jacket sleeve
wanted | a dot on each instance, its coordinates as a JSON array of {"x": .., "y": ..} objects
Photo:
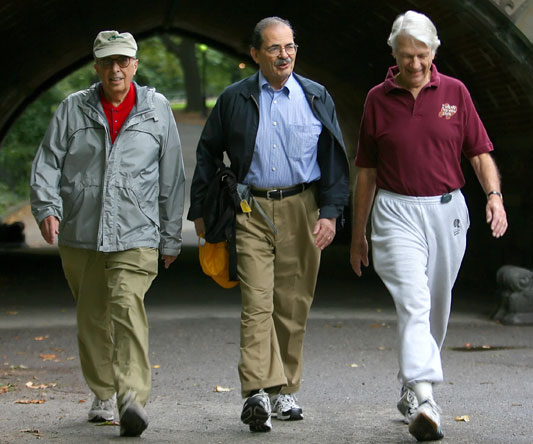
[
  {"x": 171, "y": 189},
  {"x": 334, "y": 169},
  {"x": 210, "y": 147},
  {"x": 46, "y": 168}
]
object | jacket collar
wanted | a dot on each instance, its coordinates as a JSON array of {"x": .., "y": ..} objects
[
  {"x": 250, "y": 86},
  {"x": 144, "y": 98}
]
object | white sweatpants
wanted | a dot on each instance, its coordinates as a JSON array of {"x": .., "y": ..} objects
[{"x": 418, "y": 244}]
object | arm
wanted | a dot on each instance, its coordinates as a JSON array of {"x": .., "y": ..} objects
[
  {"x": 45, "y": 174},
  {"x": 365, "y": 188},
  {"x": 489, "y": 178},
  {"x": 171, "y": 192}
]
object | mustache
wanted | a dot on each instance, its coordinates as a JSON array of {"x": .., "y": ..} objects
[{"x": 283, "y": 61}]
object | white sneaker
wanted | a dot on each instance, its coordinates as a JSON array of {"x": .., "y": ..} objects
[
  {"x": 286, "y": 408},
  {"x": 407, "y": 404},
  {"x": 103, "y": 410},
  {"x": 425, "y": 426},
  {"x": 256, "y": 412}
]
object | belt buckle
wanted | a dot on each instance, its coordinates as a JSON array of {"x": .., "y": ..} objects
[{"x": 272, "y": 191}]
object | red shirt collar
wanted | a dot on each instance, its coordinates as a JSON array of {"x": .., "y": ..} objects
[{"x": 126, "y": 105}]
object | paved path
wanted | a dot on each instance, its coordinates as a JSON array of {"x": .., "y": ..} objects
[{"x": 349, "y": 389}]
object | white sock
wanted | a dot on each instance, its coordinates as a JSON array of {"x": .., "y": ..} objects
[{"x": 423, "y": 391}]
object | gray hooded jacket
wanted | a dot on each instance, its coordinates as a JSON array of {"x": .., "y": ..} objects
[{"x": 111, "y": 196}]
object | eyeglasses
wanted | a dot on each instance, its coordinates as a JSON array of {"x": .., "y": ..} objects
[
  {"x": 109, "y": 62},
  {"x": 275, "y": 50}
]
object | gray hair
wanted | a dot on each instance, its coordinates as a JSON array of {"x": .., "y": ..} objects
[
  {"x": 257, "y": 35},
  {"x": 415, "y": 25}
]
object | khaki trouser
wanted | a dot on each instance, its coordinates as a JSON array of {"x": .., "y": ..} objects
[
  {"x": 109, "y": 290},
  {"x": 277, "y": 279}
]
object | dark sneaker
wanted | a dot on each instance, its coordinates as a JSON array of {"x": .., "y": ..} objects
[
  {"x": 407, "y": 404},
  {"x": 425, "y": 426},
  {"x": 103, "y": 410},
  {"x": 256, "y": 412},
  {"x": 133, "y": 418},
  {"x": 286, "y": 408}
]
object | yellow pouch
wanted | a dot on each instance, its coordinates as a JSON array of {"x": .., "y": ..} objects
[{"x": 214, "y": 259}]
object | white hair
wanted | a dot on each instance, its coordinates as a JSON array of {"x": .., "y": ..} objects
[{"x": 417, "y": 26}]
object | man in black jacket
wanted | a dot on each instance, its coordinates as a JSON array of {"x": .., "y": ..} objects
[{"x": 281, "y": 135}]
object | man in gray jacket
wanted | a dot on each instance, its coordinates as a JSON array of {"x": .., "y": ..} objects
[{"x": 108, "y": 181}]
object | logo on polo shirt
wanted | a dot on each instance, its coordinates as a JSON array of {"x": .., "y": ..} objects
[{"x": 447, "y": 111}]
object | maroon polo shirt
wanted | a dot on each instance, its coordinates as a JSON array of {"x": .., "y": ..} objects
[
  {"x": 116, "y": 116},
  {"x": 416, "y": 145}
]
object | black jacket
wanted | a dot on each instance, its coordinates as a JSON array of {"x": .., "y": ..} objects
[{"x": 232, "y": 127}]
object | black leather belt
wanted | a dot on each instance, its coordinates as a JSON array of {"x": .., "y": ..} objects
[{"x": 278, "y": 194}]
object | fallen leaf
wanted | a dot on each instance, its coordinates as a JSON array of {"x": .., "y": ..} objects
[
  {"x": 108, "y": 423},
  {"x": 382, "y": 324},
  {"x": 30, "y": 401},
  {"x": 354, "y": 365},
  {"x": 12, "y": 313},
  {"x": 47, "y": 357},
  {"x": 156, "y": 366},
  {"x": 71, "y": 358},
  {"x": 219, "y": 388},
  {"x": 6, "y": 388},
  {"x": 39, "y": 386},
  {"x": 35, "y": 432},
  {"x": 464, "y": 418},
  {"x": 40, "y": 338},
  {"x": 81, "y": 401},
  {"x": 17, "y": 367},
  {"x": 382, "y": 347}
]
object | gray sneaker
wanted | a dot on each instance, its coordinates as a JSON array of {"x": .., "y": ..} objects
[
  {"x": 133, "y": 418},
  {"x": 286, "y": 408},
  {"x": 103, "y": 410},
  {"x": 407, "y": 404},
  {"x": 425, "y": 426},
  {"x": 256, "y": 412}
]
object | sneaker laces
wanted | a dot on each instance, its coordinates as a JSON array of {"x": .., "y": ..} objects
[
  {"x": 104, "y": 404},
  {"x": 286, "y": 402}
]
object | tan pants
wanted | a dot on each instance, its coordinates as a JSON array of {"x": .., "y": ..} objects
[
  {"x": 109, "y": 290},
  {"x": 277, "y": 278}
]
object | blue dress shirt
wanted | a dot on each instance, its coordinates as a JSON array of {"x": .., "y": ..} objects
[{"x": 286, "y": 143}]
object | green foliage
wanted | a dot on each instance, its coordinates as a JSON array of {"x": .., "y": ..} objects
[{"x": 160, "y": 69}]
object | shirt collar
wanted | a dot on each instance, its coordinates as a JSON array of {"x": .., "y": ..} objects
[
  {"x": 286, "y": 89},
  {"x": 390, "y": 84},
  {"x": 127, "y": 103}
]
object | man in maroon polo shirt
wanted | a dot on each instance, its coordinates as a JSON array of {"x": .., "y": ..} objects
[{"x": 416, "y": 126}]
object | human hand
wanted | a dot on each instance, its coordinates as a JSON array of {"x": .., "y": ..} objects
[
  {"x": 167, "y": 260},
  {"x": 324, "y": 232},
  {"x": 359, "y": 254},
  {"x": 199, "y": 226},
  {"x": 496, "y": 215},
  {"x": 49, "y": 229}
]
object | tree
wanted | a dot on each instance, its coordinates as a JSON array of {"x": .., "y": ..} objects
[{"x": 185, "y": 50}]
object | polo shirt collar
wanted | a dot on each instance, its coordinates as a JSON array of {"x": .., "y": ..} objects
[
  {"x": 126, "y": 105},
  {"x": 390, "y": 84}
]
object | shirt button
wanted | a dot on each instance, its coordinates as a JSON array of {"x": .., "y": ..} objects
[
  {"x": 275, "y": 146},
  {"x": 273, "y": 169},
  {"x": 274, "y": 123},
  {"x": 275, "y": 101}
]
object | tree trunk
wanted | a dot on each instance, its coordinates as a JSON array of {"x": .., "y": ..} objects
[{"x": 186, "y": 53}]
